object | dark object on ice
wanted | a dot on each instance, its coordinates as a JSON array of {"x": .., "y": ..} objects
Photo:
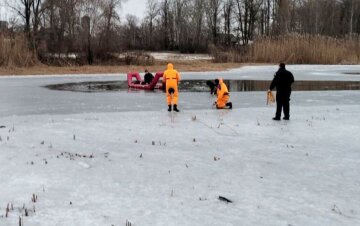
[
  {"x": 170, "y": 108},
  {"x": 229, "y": 104},
  {"x": 175, "y": 108},
  {"x": 283, "y": 80},
  {"x": 2, "y": 127},
  {"x": 212, "y": 86},
  {"x": 221, "y": 198}
]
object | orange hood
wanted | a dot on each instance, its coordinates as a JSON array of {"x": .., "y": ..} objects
[{"x": 170, "y": 66}]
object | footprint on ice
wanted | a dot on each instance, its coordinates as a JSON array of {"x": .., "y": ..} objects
[{"x": 84, "y": 165}]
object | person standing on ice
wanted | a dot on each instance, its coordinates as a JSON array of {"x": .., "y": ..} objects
[
  {"x": 171, "y": 78},
  {"x": 283, "y": 79},
  {"x": 222, "y": 95}
]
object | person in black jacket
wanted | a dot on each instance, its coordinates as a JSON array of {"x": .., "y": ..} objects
[
  {"x": 212, "y": 87},
  {"x": 148, "y": 77},
  {"x": 283, "y": 80}
]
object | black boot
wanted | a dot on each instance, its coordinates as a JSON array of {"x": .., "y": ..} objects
[
  {"x": 175, "y": 108},
  {"x": 169, "y": 108},
  {"x": 229, "y": 105}
]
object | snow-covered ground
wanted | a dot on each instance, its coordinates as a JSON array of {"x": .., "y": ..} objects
[
  {"x": 179, "y": 56},
  {"x": 108, "y": 158},
  {"x": 174, "y": 56}
]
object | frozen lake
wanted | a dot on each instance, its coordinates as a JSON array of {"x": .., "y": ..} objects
[
  {"x": 107, "y": 158},
  {"x": 27, "y": 95}
]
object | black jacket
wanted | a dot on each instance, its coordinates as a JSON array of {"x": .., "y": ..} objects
[
  {"x": 148, "y": 78},
  {"x": 283, "y": 80}
]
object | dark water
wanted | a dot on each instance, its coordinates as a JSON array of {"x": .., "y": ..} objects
[{"x": 200, "y": 86}]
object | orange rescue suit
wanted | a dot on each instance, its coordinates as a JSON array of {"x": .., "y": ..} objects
[
  {"x": 171, "y": 78},
  {"x": 222, "y": 94}
]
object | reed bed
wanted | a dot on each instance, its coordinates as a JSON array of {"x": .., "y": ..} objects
[
  {"x": 305, "y": 49},
  {"x": 14, "y": 52},
  {"x": 294, "y": 49}
]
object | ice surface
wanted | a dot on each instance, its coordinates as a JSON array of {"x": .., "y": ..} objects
[
  {"x": 26, "y": 95},
  {"x": 302, "y": 172},
  {"x": 301, "y": 72},
  {"x": 104, "y": 158}
]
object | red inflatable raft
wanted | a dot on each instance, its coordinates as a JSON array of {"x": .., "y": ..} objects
[{"x": 138, "y": 82}]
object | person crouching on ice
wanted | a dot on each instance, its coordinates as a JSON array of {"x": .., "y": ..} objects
[
  {"x": 171, "y": 78},
  {"x": 222, "y": 95}
]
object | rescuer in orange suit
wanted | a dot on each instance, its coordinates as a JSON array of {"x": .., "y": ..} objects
[
  {"x": 171, "y": 79},
  {"x": 222, "y": 95}
]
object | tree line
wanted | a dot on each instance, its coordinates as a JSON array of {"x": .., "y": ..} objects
[{"x": 95, "y": 28}]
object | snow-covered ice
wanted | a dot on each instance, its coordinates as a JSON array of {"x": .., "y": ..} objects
[{"x": 105, "y": 158}]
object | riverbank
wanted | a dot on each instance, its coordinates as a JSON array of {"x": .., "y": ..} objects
[{"x": 182, "y": 66}]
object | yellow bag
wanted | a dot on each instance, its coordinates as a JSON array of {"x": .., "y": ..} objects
[{"x": 270, "y": 98}]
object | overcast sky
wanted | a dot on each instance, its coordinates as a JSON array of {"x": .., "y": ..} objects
[{"x": 135, "y": 7}]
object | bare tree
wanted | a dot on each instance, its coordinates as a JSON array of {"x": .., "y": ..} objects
[
  {"x": 131, "y": 32},
  {"x": 198, "y": 20},
  {"x": 247, "y": 14},
  {"x": 166, "y": 24},
  {"x": 110, "y": 15},
  {"x": 213, "y": 9},
  {"x": 93, "y": 27},
  {"x": 23, "y": 8},
  {"x": 151, "y": 14},
  {"x": 228, "y": 9}
]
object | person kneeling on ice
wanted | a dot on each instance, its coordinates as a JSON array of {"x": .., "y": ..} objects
[
  {"x": 171, "y": 78},
  {"x": 222, "y": 95}
]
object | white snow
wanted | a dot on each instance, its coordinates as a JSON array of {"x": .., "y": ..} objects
[
  {"x": 108, "y": 158},
  {"x": 180, "y": 56}
]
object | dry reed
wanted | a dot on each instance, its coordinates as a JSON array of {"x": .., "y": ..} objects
[
  {"x": 14, "y": 52},
  {"x": 294, "y": 49},
  {"x": 305, "y": 49}
]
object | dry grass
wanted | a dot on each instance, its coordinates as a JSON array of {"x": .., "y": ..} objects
[
  {"x": 294, "y": 49},
  {"x": 181, "y": 66},
  {"x": 15, "y": 59},
  {"x": 15, "y": 53},
  {"x": 305, "y": 49}
]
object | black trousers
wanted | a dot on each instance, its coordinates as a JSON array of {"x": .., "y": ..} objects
[{"x": 282, "y": 104}]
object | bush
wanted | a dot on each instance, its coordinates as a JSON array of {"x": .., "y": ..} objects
[{"x": 14, "y": 52}]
